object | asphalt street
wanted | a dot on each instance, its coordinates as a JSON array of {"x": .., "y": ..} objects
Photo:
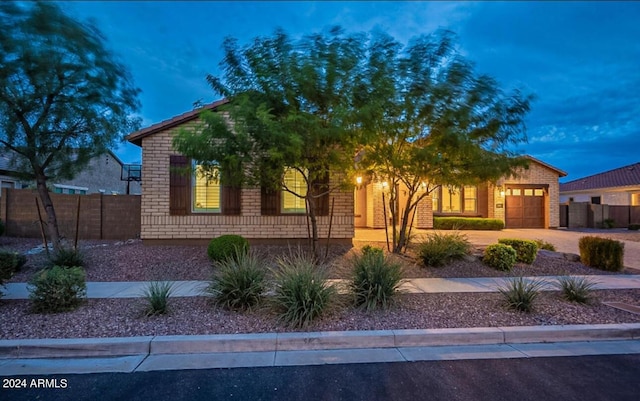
[{"x": 554, "y": 378}]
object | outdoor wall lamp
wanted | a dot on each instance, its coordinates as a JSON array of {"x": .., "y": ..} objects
[
  {"x": 385, "y": 184},
  {"x": 358, "y": 180},
  {"x": 501, "y": 190}
]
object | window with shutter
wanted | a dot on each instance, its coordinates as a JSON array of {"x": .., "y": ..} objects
[{"x": 179, "y": 183}]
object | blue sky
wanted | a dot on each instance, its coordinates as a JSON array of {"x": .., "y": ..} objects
[{"x": 580, "y": 59}]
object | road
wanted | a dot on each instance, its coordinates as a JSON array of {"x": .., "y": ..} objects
[{"x": 554, "y": 378}]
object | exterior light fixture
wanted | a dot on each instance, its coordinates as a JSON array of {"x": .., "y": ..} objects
[
  {"x": 385, "y": 184},
  {"x": 359, "y": 180},
  {"x": 501, "y": 190}
]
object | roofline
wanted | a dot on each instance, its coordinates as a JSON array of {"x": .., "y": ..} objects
[
  {"x": 136, "y": 137},
  {"x": 561, "y": 173}
]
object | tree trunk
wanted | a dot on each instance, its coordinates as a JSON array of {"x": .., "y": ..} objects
[
  {"x": 314, "y": 225},
  {"x": 402, "y": 235},
  {"x": 52, "y": 221}
]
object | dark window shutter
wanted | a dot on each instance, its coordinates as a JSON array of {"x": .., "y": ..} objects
[
  {"x": 321, "y": 186},
  {"x": 231, "y": 199},
  {"x": 179, "y": 185},
  {"x": 269, "y": 201}
]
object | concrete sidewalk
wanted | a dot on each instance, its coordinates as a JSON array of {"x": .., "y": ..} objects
[{"x": 135, "y": 289}]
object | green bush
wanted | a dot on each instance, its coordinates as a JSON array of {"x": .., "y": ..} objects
[
  {"x": 157, "y": 296},
  {"x": 67, "y": 257},
  {"x": 368, "y": 249},
  {"x": 238, "y": 282},
  {"x": 225, "y": 246},
  {"x": 520, "y": 294},
  {"x": 548, "y": 246},
  {"x": 375, "y": 280},
  {"x": 576, "y": 289},
  {"x": 10, "y": 263},
  {"x": 467, "y": 223},
  {"x": 526, "y": 250},
  {"x": 608, "y": 223},
  {"x": 439, "y": 249},
  {"x": 500, "y": 256},
  {"x": 601, "y": 253},
  {"x": 634, "y": 227},
  {"x": 57, "y": 289},
  {"x": 302, "y": 292}
]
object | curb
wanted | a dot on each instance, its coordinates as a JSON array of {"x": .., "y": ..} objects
[{"x": 306, "y": 341}]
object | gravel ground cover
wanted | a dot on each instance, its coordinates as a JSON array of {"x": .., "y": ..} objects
[{"x": 132, "y": 261}]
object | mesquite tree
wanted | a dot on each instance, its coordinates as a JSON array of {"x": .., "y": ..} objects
[
  {"x": 428, "y": 120},
  {"x": 289, "y": 109},
  {"x": 64, "y": 98}
]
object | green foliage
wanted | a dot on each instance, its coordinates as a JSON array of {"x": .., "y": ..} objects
[
  {"x": 157, "y": 296},
  {"x": 548, "y": 246},
  {"x": 302, "y": 292},
  {"x": 10, "y": 263},
  {"x": 601, "y": 253},
  {"x": 57, "y": 289},
  {"x": 467, "y": 223},
  {"x": 576, "y": 289},
  {"x": 368, "y": 249},
  {"x": 634, "y": 227},
  {"x": 500, "y": 256},
  {"x": 238, "y": 282},
  {"x": 608, "y": 223},
  {"x": 439, "y": 249},
  {"x": 67, "y": 257},
  {"x": 64, "y": 96},
  {"x": 227, "y": 246},
  {"x": 375, "y": 279},
  {"x": 519, "y": 294},
  {"x": 527, "y": 250}
]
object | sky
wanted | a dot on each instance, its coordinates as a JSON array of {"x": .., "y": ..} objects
[{"x": 581, "y": 60}]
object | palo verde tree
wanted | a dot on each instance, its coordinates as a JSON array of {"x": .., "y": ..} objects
[
  {"x": 428, "y": 120},
  {"x": 64, "y": 98},
  {"x": 289, "y": 110}
]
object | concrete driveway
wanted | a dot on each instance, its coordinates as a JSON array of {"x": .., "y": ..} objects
[{"x": 564, "y": 240}]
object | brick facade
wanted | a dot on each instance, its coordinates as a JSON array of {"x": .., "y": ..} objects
[{"x": 157, "y": 225}]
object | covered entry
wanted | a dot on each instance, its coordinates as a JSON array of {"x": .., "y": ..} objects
[{"x": 525, "y": 206}]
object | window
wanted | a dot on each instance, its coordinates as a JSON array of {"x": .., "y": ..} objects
[
  {"x": 295, "y": 182},
  {"x": 206, "y": 190},
  {"x": 450, "y": 199},
  {"x": 595, "y": 200}
]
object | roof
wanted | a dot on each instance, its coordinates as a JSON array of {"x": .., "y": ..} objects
[
  {"x": 561, "y": 173},
  {"x": 136, "y": 137},
  {"x": 619, "y": 177}
]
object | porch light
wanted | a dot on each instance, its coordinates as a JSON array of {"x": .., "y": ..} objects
[
  {"x": 385, "y": 184},
  {"x": 501, "y": 190},
  {"x": 359, "y": 180},
  {"x": 424, "y": 185}
]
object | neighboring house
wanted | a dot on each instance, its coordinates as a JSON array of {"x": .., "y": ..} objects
[
  {"x": 186, "y": 208},
  {"x": 530, "y": 199},
  {"x": 179, "y": 208},
  {"x": 101, "y": 175},
  {"x": 620, "y": 186}
]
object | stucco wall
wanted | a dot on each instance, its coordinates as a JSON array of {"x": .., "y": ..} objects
[
  {"x": 157, "y": 224},
  {"x": 102, "y": 173}
]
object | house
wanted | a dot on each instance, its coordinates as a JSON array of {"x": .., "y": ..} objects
[
  {"x": 103, "y": 174},
  {"x": 620, "y": 186},
  {"x": 529, "y": 199},
  {"x": 186, "y": 208}
]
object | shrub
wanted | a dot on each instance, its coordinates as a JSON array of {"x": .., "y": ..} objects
[
  {"x": 302, "y": 292},
  {"x": 368, "y": 249},
  {"x": 601, "y": 253},
  {"x": 548, "y": 246},
  {"x": 57, "y": 289},
  {"x": 634, "y": 227},
  {"x": 157, "y": 296},
  {"x": 67, "y": 257},
  {"x": 11, "y": 262},
  {"x": 225, "y": 246},
  {"x": 519, "y": 294},
  {"x": 500, "y": 256},
  {"x": 439, "y": 249},
  {"x": 575, "y": 289},
  {"x": 238, "y": 282},
  {"x": 526, "y": 250},
  {"x": 375, "y": 280},
  {"x": 467, "y": 223},
  {"x": 608, "y": 223}
]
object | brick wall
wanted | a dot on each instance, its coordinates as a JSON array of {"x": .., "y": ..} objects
[
  {"x": 158, "y": 225},
  {"x": 101, "y": 216}
]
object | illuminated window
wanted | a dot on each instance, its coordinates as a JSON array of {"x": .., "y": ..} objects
[
  {"x": 206, "y": 190},
  {"x": 470, "y": 199},
  {"x": 451, "y": 200},
  {"x": 435, "y": 200},
  {"x": 295, "y": 182}
]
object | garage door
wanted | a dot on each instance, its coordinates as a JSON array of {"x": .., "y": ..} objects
[{"x": 524, "y": 207}]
